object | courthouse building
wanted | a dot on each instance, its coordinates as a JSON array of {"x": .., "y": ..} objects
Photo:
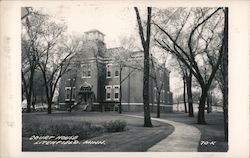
[{"x": 98, "y": 81}]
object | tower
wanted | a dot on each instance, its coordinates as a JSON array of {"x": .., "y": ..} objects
[{"x": 94, "y": 35}]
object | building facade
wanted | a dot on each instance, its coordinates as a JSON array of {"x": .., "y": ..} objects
[{"x": 99, "y": 79}]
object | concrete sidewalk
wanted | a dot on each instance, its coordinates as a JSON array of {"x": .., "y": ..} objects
[{"x": 185, "y": 138}]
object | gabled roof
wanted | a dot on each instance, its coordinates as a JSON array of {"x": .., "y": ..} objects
[
  {"x": 112, "y": 52},
  {"x": 115, "y": 49},
  {"x": 95, "y": 30},
  {"x": 86, "y": 84}
]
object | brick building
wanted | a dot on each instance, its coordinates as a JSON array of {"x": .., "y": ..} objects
[{"x": 98, "y": 81}]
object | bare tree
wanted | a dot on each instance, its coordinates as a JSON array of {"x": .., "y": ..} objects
[
  {"x": 30, "y": 58},
  {"x": 187, "y": 44},
  {"x": 190, "y": 94},
  {"x": 124, "y": 60},
  {"x": 121, "y": 58},
  {"x": 184, "y": 91},
  {"x": 174, "y": 15},
  {"x": 145, "y": 44},
  {"x": 55, "y": 62},
  {"x": 187, "y": 86},
  {"x": 157, "y": 74},
  {"x": 184, "y": 78},
  {"x": 51, "y": 50},
  {"x": 29, "y": 65},
  {"x": 38, "y": 89}
]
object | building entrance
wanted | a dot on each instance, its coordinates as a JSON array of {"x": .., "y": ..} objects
[{"x": 85, "y": 97}]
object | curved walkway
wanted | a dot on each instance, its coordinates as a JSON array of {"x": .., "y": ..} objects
[{"x": 185, "y": 138}]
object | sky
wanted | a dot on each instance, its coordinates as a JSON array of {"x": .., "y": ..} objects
[{"x": 114, "y": 22}]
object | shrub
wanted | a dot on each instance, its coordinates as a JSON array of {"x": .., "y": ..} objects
[
  {"x": 84, "y": 130},
  {"x": 115, "y": 126}
]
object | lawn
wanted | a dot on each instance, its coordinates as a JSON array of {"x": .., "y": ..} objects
[{"x": 134, "y": 138}]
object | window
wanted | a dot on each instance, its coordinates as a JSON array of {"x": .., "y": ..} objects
[
  {"x": 68, "y": 93},
  {"x": 86, "y": 68},
  {"x": 109, "y": 71},
  {"x": 108, "y": 92},
  {"x": 155, "y": 94},
  {"x": 117, "y": 71},
  {"x": 116, "y": 92},
  {"x": 162, "y": 96}
]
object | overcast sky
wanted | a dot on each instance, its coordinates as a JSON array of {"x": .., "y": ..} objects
[{"x": 114, "y": 22}]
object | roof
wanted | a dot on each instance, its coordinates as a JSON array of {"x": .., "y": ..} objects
[
  {"x": 95, "y": 30},
  {"x": 115, "y": 49},
  {"x": 112, "y": 52},
  {"x": 86, "y": 84}
]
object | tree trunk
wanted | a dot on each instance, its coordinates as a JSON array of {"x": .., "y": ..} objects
[
  {"x": 28, "y": 106},
  {"x": 201, "y": 113},
  {"x": 145, "y": 44},
  {"x": 30, "y": 90},
  {"x": 184, "y": 94},
  {"x": 128, "y": 89},
  {"x": 225, "y": 75},
  {"x": 49, "y": 106},
  {"x": 147, "y": 117},
  {"x": 33, "y": 101},
  {"x": 190, "y": 96},
  {"x": 48, "y": 100},
  {"x": 26, "y": 93},
  {"x": 209, "y": 103},
  {"x": 47, "y": 91},
  {"x": 158, "y": 105},
  {"x": 120, "y": 91},
  {"x": 120, "y": 104}
]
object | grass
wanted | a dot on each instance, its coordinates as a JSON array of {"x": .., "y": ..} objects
[{"x": 134, "y": 138}]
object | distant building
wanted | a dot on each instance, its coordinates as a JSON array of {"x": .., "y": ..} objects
[{"x": 93, "y": 80}]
